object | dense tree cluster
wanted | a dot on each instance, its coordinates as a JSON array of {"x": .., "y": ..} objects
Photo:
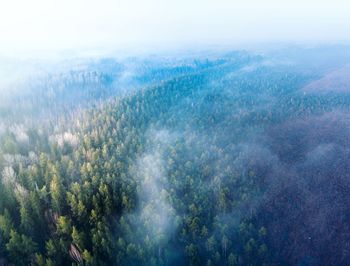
[{"x": 177, "y": 173}]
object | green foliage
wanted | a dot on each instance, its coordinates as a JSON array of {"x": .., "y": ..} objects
[
  {"x": 92, "y": 196},
  {"x": 20, "y": 248}
]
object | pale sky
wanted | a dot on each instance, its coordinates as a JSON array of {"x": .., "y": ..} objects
[{"x": 27, "y": 25}]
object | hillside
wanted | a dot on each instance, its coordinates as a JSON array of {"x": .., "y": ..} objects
[{"x": 219, "y": 161}]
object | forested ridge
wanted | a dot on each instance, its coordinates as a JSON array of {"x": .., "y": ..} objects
[{"x": 225, "y": 163}]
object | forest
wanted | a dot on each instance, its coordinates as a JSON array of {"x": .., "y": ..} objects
[{"x": 212, "y": 158}]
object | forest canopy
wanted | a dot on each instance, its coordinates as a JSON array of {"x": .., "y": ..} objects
[{"x": 222, "y": 158}]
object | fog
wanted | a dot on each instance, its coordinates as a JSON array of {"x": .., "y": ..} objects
[
  {"x": 174, "y": 132},
  {"x": 295, "y": 168},
  {"x": 41, "y": 27}
]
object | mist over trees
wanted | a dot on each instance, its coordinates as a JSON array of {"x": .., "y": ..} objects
[{"x": 220, "y": 158}]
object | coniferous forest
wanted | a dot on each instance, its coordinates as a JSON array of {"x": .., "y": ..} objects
[{"x": 213, "y": 158}]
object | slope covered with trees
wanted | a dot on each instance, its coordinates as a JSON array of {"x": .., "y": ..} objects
[{"x": 228, "y": 163}]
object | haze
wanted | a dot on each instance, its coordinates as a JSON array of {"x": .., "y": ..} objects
[{"x": 42, "y": 25}]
